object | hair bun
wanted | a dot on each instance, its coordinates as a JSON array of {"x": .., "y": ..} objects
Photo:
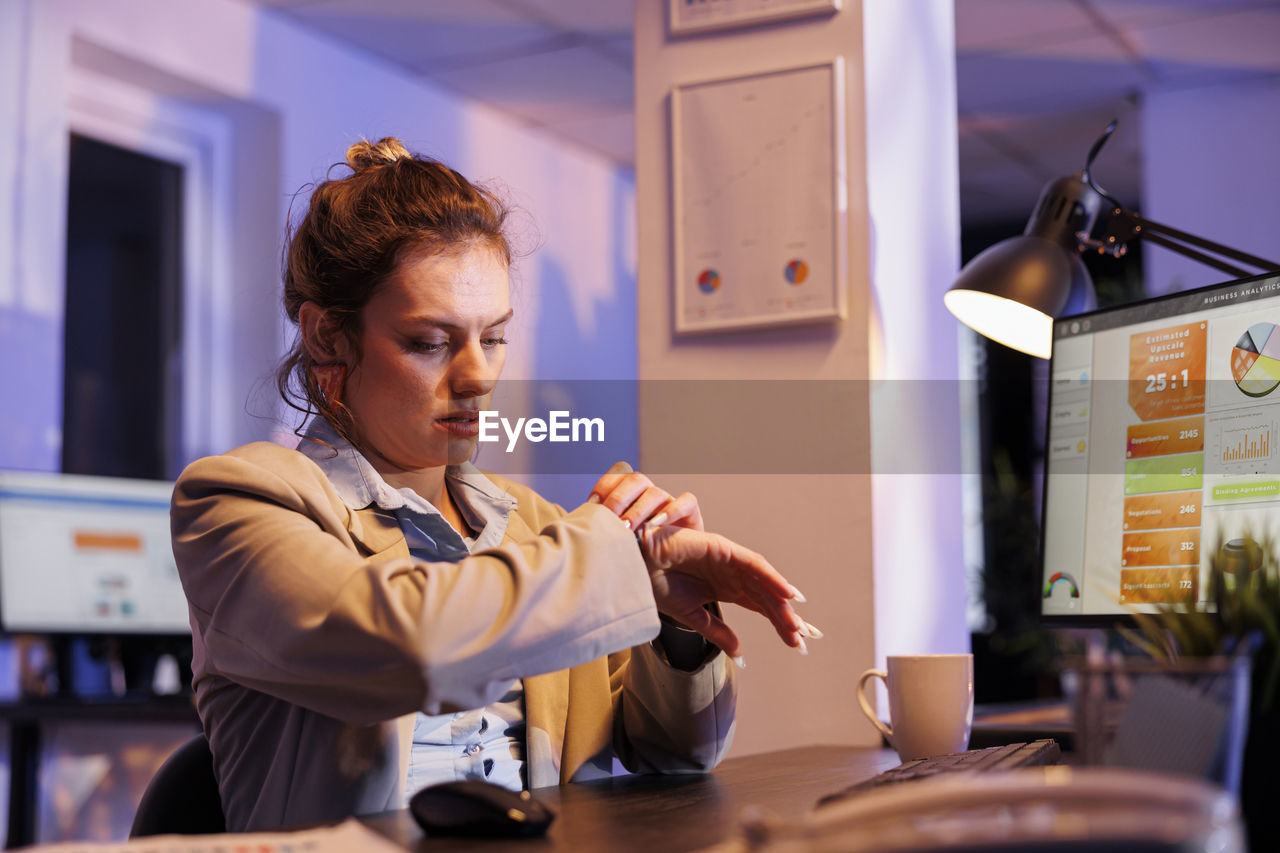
[{"x": 365, "y": 154}]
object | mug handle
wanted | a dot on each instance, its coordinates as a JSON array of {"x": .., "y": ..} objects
[{"x": 866, "y": 706}]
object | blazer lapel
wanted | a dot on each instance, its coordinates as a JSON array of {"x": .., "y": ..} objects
[{"x": 377, "y": 531}]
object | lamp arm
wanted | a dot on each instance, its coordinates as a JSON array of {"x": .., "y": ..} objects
[
  {"x": 1131, "y": 225},
  {"x": 1152, "y": 236}
]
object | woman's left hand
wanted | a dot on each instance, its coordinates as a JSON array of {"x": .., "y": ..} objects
[{"x": 637, "y": 501}]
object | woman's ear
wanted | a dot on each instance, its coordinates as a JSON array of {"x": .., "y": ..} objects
[{"x": 325, "y": 343}]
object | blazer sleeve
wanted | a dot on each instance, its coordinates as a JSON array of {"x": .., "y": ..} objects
[
  {"x": 665, "y": 720},
  {"x": 286, "y": 602}
]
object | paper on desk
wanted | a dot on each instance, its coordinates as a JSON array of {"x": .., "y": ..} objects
[{"x": 343, "y": 838}]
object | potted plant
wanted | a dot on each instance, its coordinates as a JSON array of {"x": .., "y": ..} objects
[{"x": 1244, "y": 591}]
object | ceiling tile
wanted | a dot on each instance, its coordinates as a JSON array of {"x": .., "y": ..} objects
[
  {"x": 568, "y": 80},
  {"x": 1010, "y": 84},
  {"x": 996, "y": 24},
  {"x": 597, "y": 17},
  {"x": 621, "y": 46},
  {"x": 1243, "y": 40},
  {"x": 1155, "y": 8},
  {"x": 987, "y": 26},
  {"x": 414, "y": 32},
  {"x": 614, "y": 136}
]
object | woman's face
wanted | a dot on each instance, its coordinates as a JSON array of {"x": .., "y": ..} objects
[{"x": 432, "y": 347}]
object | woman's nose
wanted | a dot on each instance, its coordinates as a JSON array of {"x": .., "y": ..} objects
[{"x": 472, "y": 374}]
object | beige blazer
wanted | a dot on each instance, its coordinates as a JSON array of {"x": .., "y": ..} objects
[{"x": 318, "y": 637}]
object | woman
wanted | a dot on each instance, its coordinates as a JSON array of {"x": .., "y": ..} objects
[{"x": 371, "y": 613}]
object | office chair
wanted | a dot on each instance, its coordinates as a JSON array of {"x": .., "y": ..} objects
[{"x": 182, "y": 797}]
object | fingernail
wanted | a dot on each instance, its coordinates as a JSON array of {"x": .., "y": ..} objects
[
  {"x": 798, "y": 595},
  {"x": 626, "y": 523},
  {"x": 659, "y": 519},
  {"x": 594, "y": 499},
  {"x": 741, "y": 662},
  {"x": 802, "y": 648},
  {"x": 812, "y": 631}
]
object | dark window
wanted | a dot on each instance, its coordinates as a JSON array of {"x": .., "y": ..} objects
[{"x": 123, "y": 333}]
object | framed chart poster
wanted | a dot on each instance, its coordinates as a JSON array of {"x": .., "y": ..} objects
[
  {"x": 759, "y": 199},
  {"x": 699, "y": 16}
]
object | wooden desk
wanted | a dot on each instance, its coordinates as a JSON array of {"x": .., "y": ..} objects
[{"x": 670, "y": 813}]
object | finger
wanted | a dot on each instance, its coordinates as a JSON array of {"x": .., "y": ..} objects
[
  {"x": 713, "y": 629},
  {"x": 760, "y": 571},
  {"x": 786, "y": 622},
  {"x": 681, "y": 512},
  {"x": 607, "y": 481},
  {"x": 645, "y": 507},
  {"x": 627, "y": 491}
]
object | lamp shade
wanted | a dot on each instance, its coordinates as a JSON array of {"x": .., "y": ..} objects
[{"x": 1012, "y": 291}]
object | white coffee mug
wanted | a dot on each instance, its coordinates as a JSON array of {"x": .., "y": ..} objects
[{"x": 930, "y": 703}]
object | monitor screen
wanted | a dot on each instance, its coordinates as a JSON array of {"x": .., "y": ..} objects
[
  {"x": 1161, "y": 447},
  {"x": 87, "y": 555}
]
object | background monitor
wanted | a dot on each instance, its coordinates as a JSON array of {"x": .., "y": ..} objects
[
  {"x": 1161, "y": 448},
  {"x": 87, "y": 555}
]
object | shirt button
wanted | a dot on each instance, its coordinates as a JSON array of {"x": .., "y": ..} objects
[{"x": 474, "y": 749}]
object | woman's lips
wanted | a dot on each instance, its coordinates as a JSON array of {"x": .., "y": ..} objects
[{"x": 461, "y": 424}]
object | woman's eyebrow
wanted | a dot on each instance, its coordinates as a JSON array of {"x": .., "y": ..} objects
[{"x": 442, "y": 324}]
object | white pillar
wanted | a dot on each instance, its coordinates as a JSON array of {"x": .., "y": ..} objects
[
  {"x": 905, "y": 594},
  {"x": 913, "y": 198}
]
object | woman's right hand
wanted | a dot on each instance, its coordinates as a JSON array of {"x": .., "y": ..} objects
[{"x": 690, "y": 568}]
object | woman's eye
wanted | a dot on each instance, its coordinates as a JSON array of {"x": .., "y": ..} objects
[
  {"x": 494, "y": 342},
  {"x": 429, "y": 346}
]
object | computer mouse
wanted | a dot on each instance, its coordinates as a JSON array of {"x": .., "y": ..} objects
[{"x": 475, "y": 807}]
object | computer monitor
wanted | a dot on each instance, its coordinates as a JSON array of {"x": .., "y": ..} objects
[
  {"x": 1161, "y": 447},
  {"x": 87, "y": 555}
]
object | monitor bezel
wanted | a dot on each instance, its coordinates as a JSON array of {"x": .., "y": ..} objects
[
  {"x": 1103, "y": 620},
  {"x": 91, "y": 632}
]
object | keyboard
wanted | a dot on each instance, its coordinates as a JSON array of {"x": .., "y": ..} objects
[{"x": 1034, "y": 754}]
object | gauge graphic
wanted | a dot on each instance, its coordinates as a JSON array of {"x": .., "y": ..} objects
[
  {"x": 796, "y": 271},
  {"x": 708, "y": 281},
  {"x": 1061, "y": 577},
  {"x": 1255, "y": 360}
]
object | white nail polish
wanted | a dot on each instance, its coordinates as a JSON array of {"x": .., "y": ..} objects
[
  {"x": 797, "y": 595},
  {"x": 741, "y": 662},
  {"x": 593, "y": 499},
  {"x": 802, "y": 648},
  {"x": 659, "y": 519},
  {"x": 813, "y": 632}
]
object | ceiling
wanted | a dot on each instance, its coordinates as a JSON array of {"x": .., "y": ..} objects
[{"x": 1037, "y": 80}]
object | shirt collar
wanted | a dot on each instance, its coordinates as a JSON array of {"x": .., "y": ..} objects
[{"x": 479, "y": 499}]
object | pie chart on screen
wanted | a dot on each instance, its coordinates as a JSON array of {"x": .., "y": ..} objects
[{"x": 1255, "y": 360}]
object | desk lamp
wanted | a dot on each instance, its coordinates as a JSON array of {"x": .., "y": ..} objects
[{"x": 1012, "y": 291}]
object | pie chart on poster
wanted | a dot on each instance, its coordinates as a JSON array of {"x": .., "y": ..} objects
[
  {"x": 796, "y": 271},
  {"x": 1255, "y": 360},
  {"x": 708, "y": 281}
]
